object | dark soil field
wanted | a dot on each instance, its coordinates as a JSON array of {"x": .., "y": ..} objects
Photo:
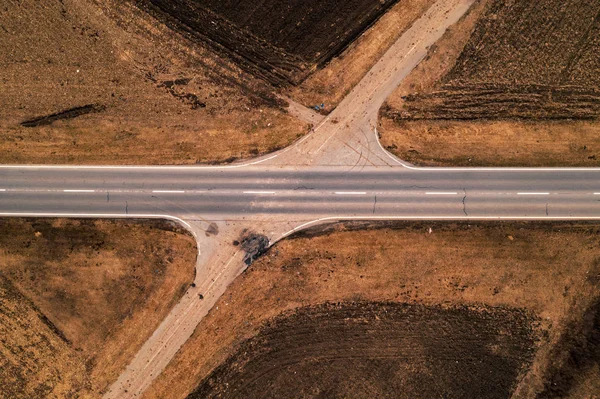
[
  {"x": 524, "y": 60},
  {"x": 281, "y": 41},
  {"x": 78, "y": 298},
  {"x": 383, "y": 350}
]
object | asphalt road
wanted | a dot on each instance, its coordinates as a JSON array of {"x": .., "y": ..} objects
[{"x": 251, "y": 193}]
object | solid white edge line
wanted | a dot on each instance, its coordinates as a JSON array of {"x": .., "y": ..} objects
[
  {"x": 2, "y": 189},
  {"x": 533, "y": 193},
  {"x": 169, "y": 191},
  {"x": 351, "y": 193},
  {"x": 100, "y": 216},
  {"x": 441, "y": 193},
  {"x": 477, "y": 169},
  {"x": 79, "y": 191},
  {"x": 596, "y": 193},
  {"x": 259, "y": 192},
  {"x": 429, "y": 218}
]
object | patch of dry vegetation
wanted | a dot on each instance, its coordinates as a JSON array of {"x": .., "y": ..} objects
[
  {"x": 472, "y": 73},
  {"x": 159, "y": 98},
  {"x": 550, "y": 270},
  {"x": 80, "y": 297}
]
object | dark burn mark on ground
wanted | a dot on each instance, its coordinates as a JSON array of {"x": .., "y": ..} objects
[
  {"x": 379, "y": 349},
  {"x": 66, "y": 114},
  {"x": 187, "y": 98},
  {"x": 254, "y": 244},
  {"x": 212, "y": 230}
]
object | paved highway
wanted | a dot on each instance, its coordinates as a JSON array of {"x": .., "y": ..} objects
[{"x": 301, "y": 193}]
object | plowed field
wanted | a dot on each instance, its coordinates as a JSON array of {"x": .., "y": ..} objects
[
  {"x": 383, "y": 350},
  {"x": 525, "y": 59},
  {"x": 281, "y": 41}
]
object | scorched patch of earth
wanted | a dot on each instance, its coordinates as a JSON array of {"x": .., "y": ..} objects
[{"x": 359, "y": 350}]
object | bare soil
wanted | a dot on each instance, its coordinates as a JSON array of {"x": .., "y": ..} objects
[
  {"x": 80, "y": 297},
  {"x": 156, "y": 97},
  {"x": 546, "y": 271},
  {"x": 283, "y": 43},
  {"x": 384, "y": 350},
  {"x": 476, "y": 100}
]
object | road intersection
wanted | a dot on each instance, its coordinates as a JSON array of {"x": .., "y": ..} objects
[{"x": 338, "y": 172}]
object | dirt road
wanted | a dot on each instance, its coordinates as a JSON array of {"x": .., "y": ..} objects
[{"x": 347, "y": 136}]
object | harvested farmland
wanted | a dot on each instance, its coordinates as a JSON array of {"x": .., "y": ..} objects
[
  {"x": 481, "y": 100},
  {"x": 78, "y": 298},
  {"x": 526, "y": 60},
  {"x": 280, "y": 41},
  {"x": 103, "y": 82},
  {"x": 338, "y": 286},
  {"x": 359, "y": 350}
]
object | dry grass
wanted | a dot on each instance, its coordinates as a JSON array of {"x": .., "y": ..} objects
[
  {"x": 332, "y": 83},
  {"x": 167, "y": 100},
  {"x": 490, "y": 143},
  {"x": 104, "y": 286},
  {"x": 543, "y": 269},
  {"x": 485, "y": 142}
]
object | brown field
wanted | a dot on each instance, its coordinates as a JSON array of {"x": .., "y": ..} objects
[
  {"x": 101, "y": 82},
  {"x": 476, "y": 100},
  {"x": 78, "y": 298},
  {"x": 524, "y": 60},
  {"x": 542, "y": 277},
  {"x": 489, "y": 143}
]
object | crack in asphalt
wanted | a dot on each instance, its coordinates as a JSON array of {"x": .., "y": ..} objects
[{"x": 464, "y": 200}]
